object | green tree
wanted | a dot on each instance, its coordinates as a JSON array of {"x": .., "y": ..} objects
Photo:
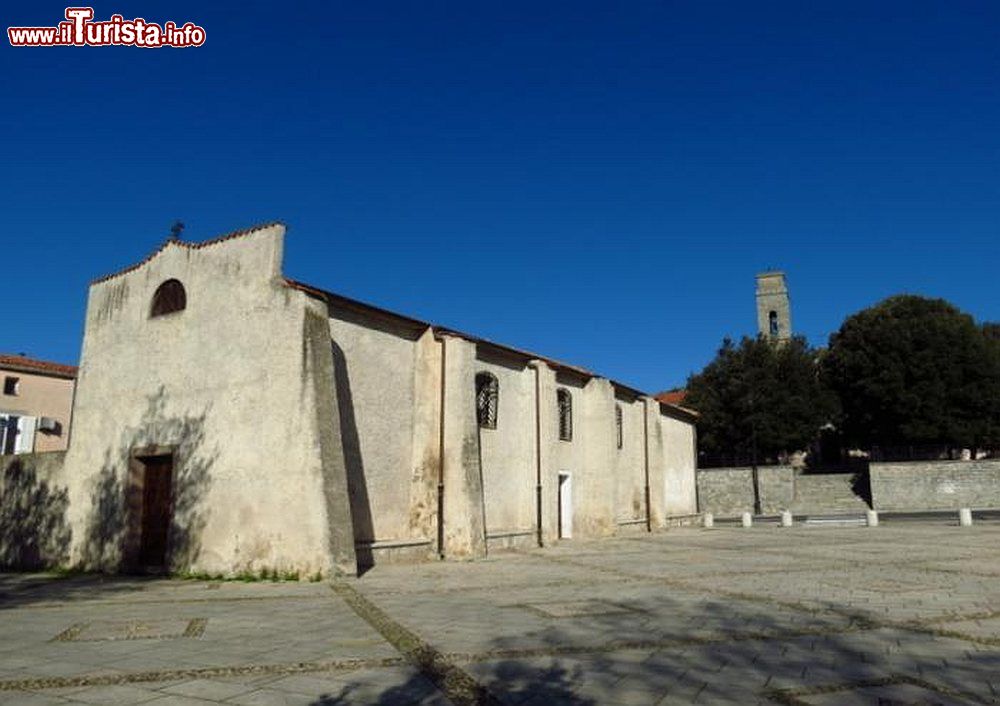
[
  {"x": 991, "y": 432},
  {"x": 759, "y": 396},
  {"x": 912, "y": 370}
]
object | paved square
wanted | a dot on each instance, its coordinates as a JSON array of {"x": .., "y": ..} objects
[{"x": 905, "y": 614}]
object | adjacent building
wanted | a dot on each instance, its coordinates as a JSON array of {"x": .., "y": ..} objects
[{"x": 36, "y": 402}]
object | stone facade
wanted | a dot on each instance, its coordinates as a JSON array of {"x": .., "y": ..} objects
[
  {"x": 308, "y": 432},
  {"x": 935, "y": 485}
]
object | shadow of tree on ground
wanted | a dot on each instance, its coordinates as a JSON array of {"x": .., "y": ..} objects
[
  {"x": 24, "y": 589},
  {"x": 723, "y": 651},
  {"x": 664, "y": 641},
  {"x": 550, "y": 685}
]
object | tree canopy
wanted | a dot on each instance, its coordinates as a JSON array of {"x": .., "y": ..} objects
[
  {"x": 913, "y": 370},
  {"x": 761, "y": 393}
]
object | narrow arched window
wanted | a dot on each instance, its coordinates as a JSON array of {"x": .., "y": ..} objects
[
  {"x": 487, "y": 400},
  {"x": 618, "y": 424},
  {"x": 169, "y": 297},
  {"x": 772, "y": 320},
  {"x": 564, "y": 401}
]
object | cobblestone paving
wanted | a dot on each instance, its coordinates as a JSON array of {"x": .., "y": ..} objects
[{"x": 808, "y": 615}]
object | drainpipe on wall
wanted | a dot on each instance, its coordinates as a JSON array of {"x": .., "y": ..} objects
[
  {"x": 72, "y": 409},
  {"x": 538, "y": 455},
  {"x": 440, "y": 484},
  {"x": 694, "y": 452},
  {"x": 645, "y": 461}
]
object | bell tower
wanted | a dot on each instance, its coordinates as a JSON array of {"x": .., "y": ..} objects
[{"x": 774, "y": 312}]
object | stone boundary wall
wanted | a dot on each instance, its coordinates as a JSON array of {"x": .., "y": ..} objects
[
  {"x": 728, "y": 492},
  {"x": 935, "y": 485},
  {"x": 34, "y": 529}
]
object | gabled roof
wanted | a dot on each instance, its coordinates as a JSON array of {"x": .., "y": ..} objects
[
  {"x": 22, "y": 364},
  {"x": 190, "y": 246},
  {"x": 418, "y": 325},
  {"x": 369, "y": 309}
]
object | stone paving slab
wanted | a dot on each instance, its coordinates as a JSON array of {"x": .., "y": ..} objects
[
  {"x": 808, "y": 615},
  {"x": 767, "y": 612},
  {"x": 234, "y": 632}
]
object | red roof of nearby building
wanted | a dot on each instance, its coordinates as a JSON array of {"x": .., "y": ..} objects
[
  {"x": 675, "y": 397},
  {"x": 42, "y": 367}
]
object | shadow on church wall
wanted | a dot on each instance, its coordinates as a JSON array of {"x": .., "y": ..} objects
[
  {"x": 33, "y": 528},
  {"x": 110, "y": 522},
  {"x": 357, "y": 486}
]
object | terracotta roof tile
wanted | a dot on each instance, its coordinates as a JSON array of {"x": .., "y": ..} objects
[
  {"x": 672, "y": 396},
  {"x": 43, "y": 367},
  {"x": 675, "y": 399}
]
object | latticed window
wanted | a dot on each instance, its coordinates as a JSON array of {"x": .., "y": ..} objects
[
  {"x": 487, "y": 400},
  {"x": 618, "y": 424},
  {"x": 169, "y": 297},
  {"x": 564, "y": 401}
]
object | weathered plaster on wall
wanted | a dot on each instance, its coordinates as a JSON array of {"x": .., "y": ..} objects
[
  {"x": 225, "y": 382},
  {"x": 313, "y": 434}
]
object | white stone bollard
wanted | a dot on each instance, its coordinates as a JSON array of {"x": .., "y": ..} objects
[
  {"x": 709, "y": 520},
  {"x": 965, "y": 517},
  {"x": 747, "y": 519},
  {"x": 872, "y": 518},
  {"x": 786, "y": 518}
]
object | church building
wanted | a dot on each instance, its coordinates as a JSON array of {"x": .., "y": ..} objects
[{"x": 228, "y": 419}]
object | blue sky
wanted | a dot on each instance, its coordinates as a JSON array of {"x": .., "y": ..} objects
[{"x": 598, "y": 182}]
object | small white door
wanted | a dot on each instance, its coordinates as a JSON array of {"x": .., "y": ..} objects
[
  {"x": 565, "y": 506},
  {"x": 26, "y": 435}
]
